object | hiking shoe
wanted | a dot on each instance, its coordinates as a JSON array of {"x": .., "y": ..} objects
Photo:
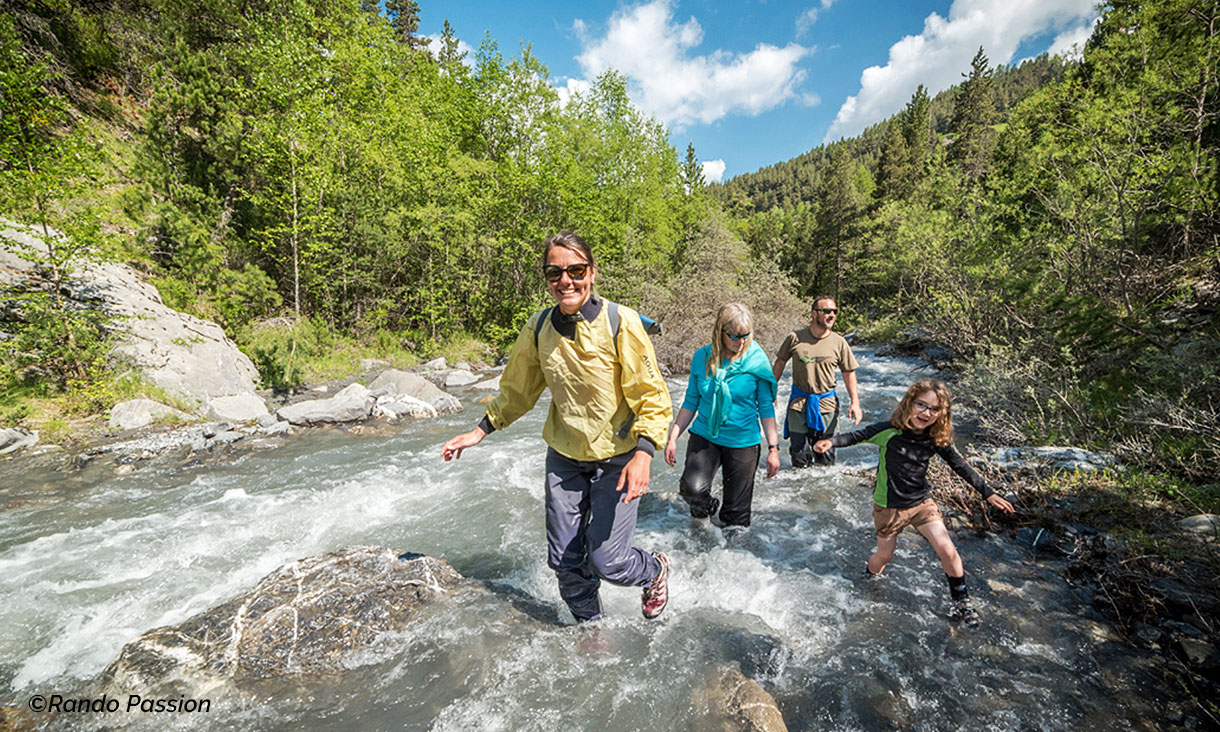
[
  {"x": 656, "y": 593},
  {"x": 962, "y": 611}
]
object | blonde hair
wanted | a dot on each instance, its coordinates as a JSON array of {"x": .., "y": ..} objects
[
  {"x": 734, "y": 315},
  {"x": 942, "y": 429}
]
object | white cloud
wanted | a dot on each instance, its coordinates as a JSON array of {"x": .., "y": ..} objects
[
  {"x": 1070, "y": 43},
  {"x": 435, "y": 44},
  {"x": 713, "y": 170},
  {"x": 669, "y": 82},
  {"x": 937, "y": 57},
  {"x": 571, "y": 88},
  {"x": 805, "y": 20}
]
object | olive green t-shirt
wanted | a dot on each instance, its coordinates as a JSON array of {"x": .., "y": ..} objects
[{"x": 814, "y": 361}]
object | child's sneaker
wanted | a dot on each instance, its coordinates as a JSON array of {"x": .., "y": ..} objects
[
  {"x": 656, "y": 593},
  {"x": 962, "y": 611}
]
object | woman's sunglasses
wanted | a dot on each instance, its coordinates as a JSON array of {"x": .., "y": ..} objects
[
  {"x": 737, "y": 336},
  {"x": 552, "y": 272}
]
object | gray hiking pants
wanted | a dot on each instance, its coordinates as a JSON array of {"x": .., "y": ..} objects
[{"x": 589, "y": 531}]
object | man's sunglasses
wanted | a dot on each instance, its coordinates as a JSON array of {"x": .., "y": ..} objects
[
  {"x": 737, "y": 336},
  {"x": 552, "y": 272},
  {"x": 826, "y": 311}
]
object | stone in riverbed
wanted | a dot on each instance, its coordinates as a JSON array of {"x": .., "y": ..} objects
[
  {"x": 299, "y": 622},
  {"x": 239, "y": 408},
  {"x": 492, "y": 384},
  {"x": 460, "y": 378},
  {"x": 735, "y": 703},
  {"x": 352, "y": 404},
  {"x": 15, "y": 438},
  {"x": 136, "y": 413},
  {"x": 414, "y": 385}
]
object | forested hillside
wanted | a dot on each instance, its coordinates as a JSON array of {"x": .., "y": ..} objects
[
  {"x": 1066, "y": 248},
  {"x": 792, "y": 182},
  {"x": 312, "y": 159}
]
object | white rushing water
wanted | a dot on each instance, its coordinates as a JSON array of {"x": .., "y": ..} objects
[{"x": 85, "y": 570}]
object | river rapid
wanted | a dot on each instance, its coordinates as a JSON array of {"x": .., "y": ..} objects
[{"x": 87, "y": 565}]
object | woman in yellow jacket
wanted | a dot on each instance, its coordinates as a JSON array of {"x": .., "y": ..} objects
[{"x": 610, "y": 409}]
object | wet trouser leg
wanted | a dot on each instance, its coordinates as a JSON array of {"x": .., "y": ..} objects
[
  {"x": 800, "y": 446},
  {"x": 740, "y": 465},
  {"x": 695, "y": 486},
  {"x": 831, "y": 420},
  {"x": 589, "y": 531}
]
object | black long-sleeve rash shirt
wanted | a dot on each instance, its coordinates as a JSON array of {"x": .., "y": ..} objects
[{"x": 903, "y": 464}]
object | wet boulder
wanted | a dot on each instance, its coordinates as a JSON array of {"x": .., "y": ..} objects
[
  {"x": 299, "y": 622},
  {"x": 734, "y": 703},
  {"x": 353, "y": 403},
  {"x": 405, "y": 383}
]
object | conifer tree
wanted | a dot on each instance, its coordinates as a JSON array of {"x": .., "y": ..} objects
[
  {"x": 973, "y": 116},
  {"x": 692, "y": 171}
]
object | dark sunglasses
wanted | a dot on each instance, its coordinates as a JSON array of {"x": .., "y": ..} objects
[
  {"x": 737, "y": 336},
  {"x": 827, "y": 311},
  {"x": 552, "y": 272}
]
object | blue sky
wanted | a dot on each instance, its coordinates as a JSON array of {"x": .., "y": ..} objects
[{"x": 755, "y": 82}]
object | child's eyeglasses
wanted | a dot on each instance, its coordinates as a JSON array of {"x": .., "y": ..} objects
[
  {"x": 552, "y": 272},
  {"x": 737, "y": 336},
  {"x": 925, "y": 407},
  {"x": 827, "y": 311}
]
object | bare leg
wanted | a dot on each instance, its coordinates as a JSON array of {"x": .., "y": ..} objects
[
  {"x": 938, "y": 536},
  {"x": 883, "y": 555}
]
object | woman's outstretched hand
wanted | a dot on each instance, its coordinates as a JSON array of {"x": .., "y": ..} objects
[
  {"x": 822, "y": 446},
  {"x": 452, "y": 449}
]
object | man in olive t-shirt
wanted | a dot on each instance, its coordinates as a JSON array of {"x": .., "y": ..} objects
[{"x": 813, "y": 409}]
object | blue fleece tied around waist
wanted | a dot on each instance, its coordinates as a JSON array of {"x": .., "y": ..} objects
[
  {"x": 753, "y": 363},
  {"x": 813, "y": 414}
]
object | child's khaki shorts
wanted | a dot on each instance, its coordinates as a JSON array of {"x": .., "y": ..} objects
[{"x": 891, "y": 521}]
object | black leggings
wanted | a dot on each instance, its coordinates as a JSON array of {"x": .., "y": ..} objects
[{"x": 703, "y": 458}]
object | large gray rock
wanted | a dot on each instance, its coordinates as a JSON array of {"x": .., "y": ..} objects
[
  {"x": 352, "y": 404},
  {"x": 414, "y": 385},
  {"x": 136, "y": 413},
  {"x": 301, "y": 621},
  {"x": 180, "y": 353},
  {"x": 734, "y": 703},
  {"x": 492, "y": 384},
  {"x": 239, "y": 408},
  {"x": 460, "y": 378},
  {"x": 15, "y": 438}
]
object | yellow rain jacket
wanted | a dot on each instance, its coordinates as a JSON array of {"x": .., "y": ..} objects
[{"x": 594, "y": 390}]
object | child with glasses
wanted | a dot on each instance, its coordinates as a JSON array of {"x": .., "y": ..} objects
[
  {"x": 921, "y": 426},
  {"x": 731, "y": 390}
]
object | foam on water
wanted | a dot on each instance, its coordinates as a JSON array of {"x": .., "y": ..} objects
[{"x": 784, "y": 600}]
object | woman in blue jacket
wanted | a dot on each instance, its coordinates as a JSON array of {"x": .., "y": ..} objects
[{"x": 731, "y": 389}]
